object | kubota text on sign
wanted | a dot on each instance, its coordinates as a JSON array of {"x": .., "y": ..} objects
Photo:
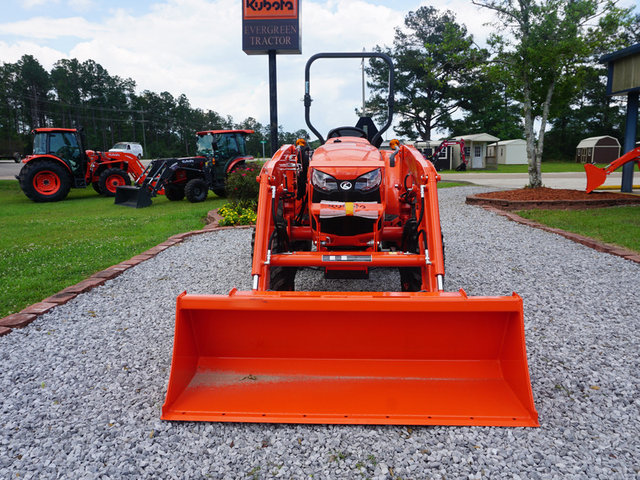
[
  {"x": 260, "y": 9},
  {"x": 270, "y": 25}
]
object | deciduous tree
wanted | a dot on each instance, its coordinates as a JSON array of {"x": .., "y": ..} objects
[
  {"x": 539, "y": 45},
  {"x": 435, "y": 61}
]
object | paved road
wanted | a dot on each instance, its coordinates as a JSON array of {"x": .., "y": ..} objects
[
  {"x": 9, "y": 169},
  {"x": 573, "y": 180}
]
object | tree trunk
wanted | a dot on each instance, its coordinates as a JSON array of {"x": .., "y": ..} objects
[{"x": 535, "y": 177}]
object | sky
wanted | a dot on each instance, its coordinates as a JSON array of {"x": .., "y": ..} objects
[{"x": 194, "y": 47}]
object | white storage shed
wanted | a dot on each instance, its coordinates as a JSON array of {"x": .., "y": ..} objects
[{"x": 508, "y": 152}]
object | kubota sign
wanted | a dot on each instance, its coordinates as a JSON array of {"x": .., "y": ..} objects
[
  {"x": 270, "y": 25},
  {"x": 265, "y": 9}
]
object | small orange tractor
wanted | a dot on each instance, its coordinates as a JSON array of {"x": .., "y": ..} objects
[
  {"x": 412, "y": 355},
  {"x": 60, "y": 162}
]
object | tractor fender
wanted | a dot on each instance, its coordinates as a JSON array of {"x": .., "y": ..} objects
[
  {"x": 113, "y": 159},
  {"x": 236, "y": 161},
  {"x": 36, "y": 158},
  {"x": 120, "y": 156}
]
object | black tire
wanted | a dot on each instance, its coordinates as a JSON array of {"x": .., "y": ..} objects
[
  {"x": 410, "y": 277},
  {"x": 196, "y": 190},
  {"x": 253, "y": 241},
  {"x": 221, "y": 192},
  {"x": 281, "y": 279},
  {"x": 174, "y": 192},
  {"x": 111, "y": 179},
  {"x": 45, "y": 181},
  {"x": 96, "y": 187}
]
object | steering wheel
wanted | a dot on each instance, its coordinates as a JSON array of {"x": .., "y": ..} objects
[{"x": 347, "y": 132}]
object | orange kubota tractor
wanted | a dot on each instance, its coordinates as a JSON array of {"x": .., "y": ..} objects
[
  {"x": 417, "y": 355},
  {"x": 60, "y": 162}
]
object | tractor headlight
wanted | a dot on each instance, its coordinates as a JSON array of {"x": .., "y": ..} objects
[
  {"x": 369, "y": 180},
  {"x": 323, "y": 181}
]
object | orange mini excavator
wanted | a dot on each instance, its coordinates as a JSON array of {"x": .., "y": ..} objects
[
  {"x": 597, "y": 176},
  {"x": 417, "y": 355}
]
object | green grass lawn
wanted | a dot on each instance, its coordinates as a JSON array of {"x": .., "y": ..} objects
[
  {"x": 45, "y": 247},
  {"x": 547, "y": 167},
  {"x": 616, "y": 225}
]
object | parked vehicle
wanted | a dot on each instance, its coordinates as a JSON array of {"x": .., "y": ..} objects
[
  {"x": 60, "y": 162},
  {"x": 128, "y": 147}
]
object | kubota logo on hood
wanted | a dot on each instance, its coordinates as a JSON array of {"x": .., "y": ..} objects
[{"x": 345, "y": 185}]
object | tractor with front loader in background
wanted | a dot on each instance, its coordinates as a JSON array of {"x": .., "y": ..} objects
[
  {"x": 218, "y": 153},
  {"x": 416, "y": 355},
  {"x": 60, "y": 162}
]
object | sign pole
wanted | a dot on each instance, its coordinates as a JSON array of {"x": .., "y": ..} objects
[
  {"x": 629, "y": 141},
  {"x": 273, "y": 102},
  {"x": 623, "y": 79},
  {"x": 271, "y": 28}
]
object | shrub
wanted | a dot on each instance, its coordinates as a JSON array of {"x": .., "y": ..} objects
[
  {"x": 236, "y": 214},
  {"x": 242, "y": 186}
]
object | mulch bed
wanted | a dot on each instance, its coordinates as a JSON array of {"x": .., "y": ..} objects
[{"x": 551, "y": 199}]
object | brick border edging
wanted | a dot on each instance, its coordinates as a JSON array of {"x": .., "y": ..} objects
[
  {"x": 586, "y": 241},
  {"x": 509, "y": 205},
  {"x": 30, "y": 313}
]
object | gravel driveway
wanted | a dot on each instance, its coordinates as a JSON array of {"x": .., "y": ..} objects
[{"x": 81, "y": 387}]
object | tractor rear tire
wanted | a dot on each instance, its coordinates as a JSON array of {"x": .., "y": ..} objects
[
  {"x": 96, "y": 187},
  {"x": 196, "y": 190},
  {"x": 45, "y": 181},
  {"x": 174, "y": 192},
  {"x": 111, "y": 179},
  {"x": 221, "y": 192}
]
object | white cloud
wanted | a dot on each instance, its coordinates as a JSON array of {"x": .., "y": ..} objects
[
  {"x": 45, "y": 28},
  {"x": 37, "y": 3},
  {"x": 12, "y": 52},
  {"x": 194, "y": 47},
  {"x": 81, "y": 5}
]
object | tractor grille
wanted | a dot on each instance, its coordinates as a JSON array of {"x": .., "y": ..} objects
[{"x": 346, "y": 226}]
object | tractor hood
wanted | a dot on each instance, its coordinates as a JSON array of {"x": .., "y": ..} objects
[{"x": 347, "y": 151}]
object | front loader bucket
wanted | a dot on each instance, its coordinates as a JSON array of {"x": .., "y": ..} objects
[
  {"x": 355, "y": 358},
  {"x": 595, "y": 176},
  {"x": 132, "y": 196}
]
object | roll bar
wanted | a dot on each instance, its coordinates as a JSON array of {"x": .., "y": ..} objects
[{"x": 307, "y": 96}]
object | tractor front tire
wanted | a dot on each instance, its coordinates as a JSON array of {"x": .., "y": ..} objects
[
  {"x": 111, "y": 179},
  {"x": 45, "y": 181},
  {"x": 196, "y": 190},
  {"x": 174, "y": 192},
  {"x": 281, "y": 279}
]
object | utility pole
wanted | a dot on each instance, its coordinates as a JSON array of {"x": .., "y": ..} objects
[{"x": 362, "y": 67}]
